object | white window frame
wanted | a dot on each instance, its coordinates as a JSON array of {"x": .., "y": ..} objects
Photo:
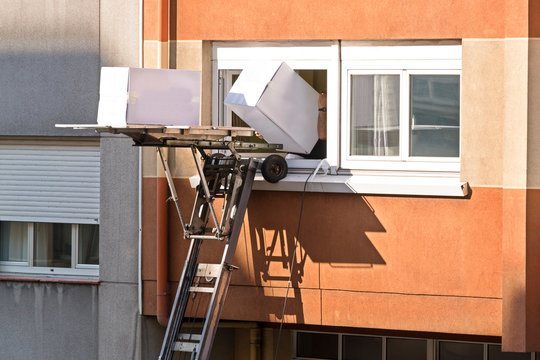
[
  {"x": 224, "y": 115},
  {"x": 27, "y": 267},
  {"x": 310, "y": 55},
  {"x": 403, "y": 61}
]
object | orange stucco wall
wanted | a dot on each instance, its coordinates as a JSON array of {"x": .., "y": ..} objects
[
  {"x": 521, "y": 266},
  {"x": 326, "y": 19},
  {"x": 363, "y": 261}
]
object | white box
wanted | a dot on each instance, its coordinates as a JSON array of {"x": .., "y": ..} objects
[
  {"x": 131, "y": 96},
  {"x": 279, "y": 104}
]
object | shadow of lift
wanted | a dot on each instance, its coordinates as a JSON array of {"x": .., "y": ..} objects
[{"x": 333, "y": 231}]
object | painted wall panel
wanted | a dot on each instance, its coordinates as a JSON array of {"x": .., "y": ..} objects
[
  {"x": 482, "y": 112},
  {"x": 48, "y": 321},
  {"x": 533, "y": 122},
  {"x": 324, "y": 19},
  {"x": 119, "y": 318},
  {"x": 49, "y": 66}
]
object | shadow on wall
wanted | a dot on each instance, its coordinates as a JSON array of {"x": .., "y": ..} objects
[
  {"x": 39, "y": 90},
  {"x": 333, "y": 230}
]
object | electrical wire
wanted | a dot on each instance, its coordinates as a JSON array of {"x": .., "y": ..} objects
[{"x": 292, "y": 266}]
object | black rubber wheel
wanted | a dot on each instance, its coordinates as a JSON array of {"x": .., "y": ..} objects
[{"x": 274, "y": 168}]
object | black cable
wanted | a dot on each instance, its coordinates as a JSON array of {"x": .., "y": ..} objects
[{"x": 292, "y": 266}]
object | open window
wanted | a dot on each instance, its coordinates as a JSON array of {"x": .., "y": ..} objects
[{"x": 316, "y": 63}]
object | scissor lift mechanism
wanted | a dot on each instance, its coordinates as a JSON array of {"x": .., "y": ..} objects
[{"x": 228, "y": 177}]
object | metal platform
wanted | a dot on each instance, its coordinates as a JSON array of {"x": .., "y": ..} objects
[{"x": 206, "y": 137}]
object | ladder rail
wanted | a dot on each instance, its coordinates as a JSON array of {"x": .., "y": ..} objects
[
  {"x": 180, "y": 301},
  {"x": 222, "y": 283}
]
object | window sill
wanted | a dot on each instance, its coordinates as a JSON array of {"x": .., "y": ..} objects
[
  {"x": 373, "y": 183},
  {"x": 44, "y": 279},
  {"x": 369, "y": 185},
  {"x": 83, "y": 273}
]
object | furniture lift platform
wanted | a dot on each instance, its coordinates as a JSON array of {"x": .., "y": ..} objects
[{"x": 202, "y": 287}]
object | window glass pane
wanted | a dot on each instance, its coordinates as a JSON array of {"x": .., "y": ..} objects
[
  {"x": 88, "y": 244},
  {"x": 375, "y": 115},
  {"x": 52, "y": 245},
  {"x": 406, "y": 349},
  {"x": 495, "y": 353},
  {"x": 434, "y": 118},
  {"x": 13, "y": 241},
  {"x": 361, "y": 348},
  {"x": 317, "y": 346},
  {"x": 460, "y": 351}
]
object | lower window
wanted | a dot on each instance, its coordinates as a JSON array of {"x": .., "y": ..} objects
[
  {"x": 49, "y": 248},
  {"x": 329, "y": 346}
]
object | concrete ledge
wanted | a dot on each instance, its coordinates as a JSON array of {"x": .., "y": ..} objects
[
  {"x": 369, "y": 184},
  {"x": 48, "y": 280}
]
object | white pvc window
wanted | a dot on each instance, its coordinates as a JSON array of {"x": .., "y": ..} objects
[
  {"x": 29, "y": 248},
  {"x": 401, "y": 107}
]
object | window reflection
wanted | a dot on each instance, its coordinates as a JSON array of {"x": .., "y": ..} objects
[
  {"x": 460, "y": 351},
  {"x": 434, "y": 118},
  {"x": 52, "y": 245},
  {"x": 361, "y": 347},
  {"x": 13, "y": 241},
  {"x": 317, "y": 345},
  {"x": 89, "y": 244},
  {"x": 406, "y": 349}
]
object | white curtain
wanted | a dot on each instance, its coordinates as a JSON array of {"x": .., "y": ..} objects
[
  {"x": 43, "y": 244},
  {"x": 375, "y": 115},
  {"x": 13, "y": 241},
  {"x": 383, "y": 114}
]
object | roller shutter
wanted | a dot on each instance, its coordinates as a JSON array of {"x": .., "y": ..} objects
[{"x": 49, "y": 181}]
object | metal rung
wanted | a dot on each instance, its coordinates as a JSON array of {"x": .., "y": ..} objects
[
  {"x": 201, "y": 289},
  {"x": 209, "y": 270},
  {"x": 205, "y": 237},
  {"x": 190, "y": 337},
  {"x": 186, "y": 346}
]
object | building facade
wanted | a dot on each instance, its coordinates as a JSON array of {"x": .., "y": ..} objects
[
  {"x": 427, "y": 229},
  {"x": 420, "y": 242},
  {"x": 68, "y": 227}
]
